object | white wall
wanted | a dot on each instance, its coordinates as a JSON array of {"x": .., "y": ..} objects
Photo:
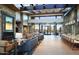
[{"x": 18, "y": 16}]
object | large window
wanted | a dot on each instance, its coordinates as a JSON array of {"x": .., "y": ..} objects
[
  {"x": 37, "y": 17},
  {"x": 59, "y": 26},
  {"x": 25, "y": 18},
  {"x": 49, "y": 17},
  {"x": 36, "y": 27}
]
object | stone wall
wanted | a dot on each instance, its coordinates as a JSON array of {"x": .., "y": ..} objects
[
  {"x": 0, "y": 26},
  {"x": 77, "y": 27},
  {"x": 69, "y": 22},
  {"x": 7, "y": 11}
]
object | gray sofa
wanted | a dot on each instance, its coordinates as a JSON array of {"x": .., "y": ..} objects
[
  {"x": 40, "y": 37},
  {"x": 30, "y": 44}
]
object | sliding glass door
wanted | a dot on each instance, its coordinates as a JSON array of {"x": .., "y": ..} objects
[{"x": 47, "y": 29}]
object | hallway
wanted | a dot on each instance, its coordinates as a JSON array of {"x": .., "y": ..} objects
[{"x": 53, "y": 45}]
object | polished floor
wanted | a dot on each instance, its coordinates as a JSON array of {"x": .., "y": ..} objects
[{"x": 53, "y": 45}]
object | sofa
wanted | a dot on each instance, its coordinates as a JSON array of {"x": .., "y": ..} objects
[
  {"x": 24, "y": 44},
  {"x": 40, "y": 37},
  {"x": 30, "y": 41},
  {"x": 28, "y": 45}
]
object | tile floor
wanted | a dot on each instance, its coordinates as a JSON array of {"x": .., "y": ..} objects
[{"x": 53, "y": 45}]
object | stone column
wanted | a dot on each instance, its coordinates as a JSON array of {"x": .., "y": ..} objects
[{"x": 0, "y": 27}]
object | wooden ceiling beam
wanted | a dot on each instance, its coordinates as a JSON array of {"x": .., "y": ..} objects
[
  {"x": 48, "y": 14},
  {"x": 12, "y": 7}
]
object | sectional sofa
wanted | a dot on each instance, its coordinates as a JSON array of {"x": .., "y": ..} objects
[{"x": 29, "y": 43}]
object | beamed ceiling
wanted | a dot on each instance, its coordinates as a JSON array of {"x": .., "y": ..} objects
[
  {"x": 11, "y": 6},
  {"x": 42, "y": 9}
]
